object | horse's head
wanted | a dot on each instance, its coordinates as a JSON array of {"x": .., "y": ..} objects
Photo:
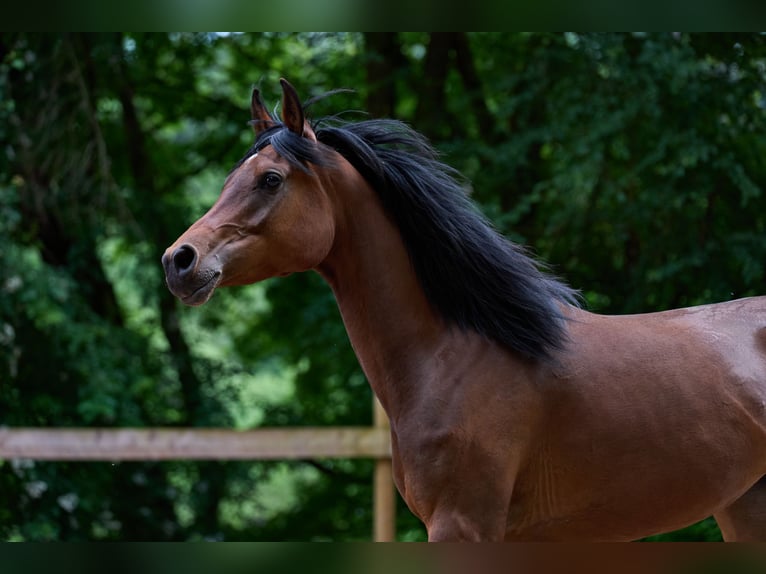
[{"x": 272, "y": 218}]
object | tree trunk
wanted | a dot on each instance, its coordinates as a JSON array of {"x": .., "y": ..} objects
[
  {"x": 431, "y": 113},
  {"x": 384, "y": 58},
  {"x": 213, "y": 475}
]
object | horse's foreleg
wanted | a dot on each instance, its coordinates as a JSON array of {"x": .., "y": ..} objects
[
  {"x": 471, "y": 508},
  {"x": 451, "y": 525},
  {"x": 745, "y": 519},
  {"x": 477, "y": 511}
]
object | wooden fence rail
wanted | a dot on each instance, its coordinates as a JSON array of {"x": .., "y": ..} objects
[
  {"x": 200, "y": 444},
  {"x": 108, "y": 444}
]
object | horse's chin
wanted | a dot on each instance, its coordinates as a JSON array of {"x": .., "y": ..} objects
[{"x": 202, "y": 293}]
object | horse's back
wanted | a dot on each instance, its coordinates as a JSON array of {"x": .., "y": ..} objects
[
  {"x": 731, "y": 338},
  {"x": 708, "y": 355},
  {"x": 731, "y": 335}
]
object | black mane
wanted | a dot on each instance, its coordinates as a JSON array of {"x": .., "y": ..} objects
[{"x": 473, "y": 276}]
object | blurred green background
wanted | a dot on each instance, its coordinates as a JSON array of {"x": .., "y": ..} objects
[{"x": 630, "y": 162}]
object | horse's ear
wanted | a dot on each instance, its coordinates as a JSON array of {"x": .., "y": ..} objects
[
  {"x": 292, "y": 112},
  {"x": 261, "y": 118}
]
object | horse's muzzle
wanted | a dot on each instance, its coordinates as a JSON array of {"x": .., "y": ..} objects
[{"x": 186, "y": 278}]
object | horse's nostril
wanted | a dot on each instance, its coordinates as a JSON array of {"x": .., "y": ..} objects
[{"x": 184, "y": 258}]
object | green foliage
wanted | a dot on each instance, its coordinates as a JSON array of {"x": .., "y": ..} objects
[
  {"x": 704, "y": 531},
  {"x": 631, "y": 162}
]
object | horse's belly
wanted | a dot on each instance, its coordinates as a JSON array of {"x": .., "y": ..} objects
[{"x": 617, "y": 522}]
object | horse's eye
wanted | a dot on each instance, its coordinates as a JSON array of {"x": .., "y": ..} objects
[{"x": 271, "y": 181}]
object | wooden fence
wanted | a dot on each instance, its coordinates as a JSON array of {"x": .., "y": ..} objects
[{"x": 106, "y": 444}]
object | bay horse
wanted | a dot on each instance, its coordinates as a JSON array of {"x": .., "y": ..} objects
[{"x": 515, "y": 414}]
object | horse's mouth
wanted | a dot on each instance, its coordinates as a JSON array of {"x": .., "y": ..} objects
[{"x": 202, "y": 293}]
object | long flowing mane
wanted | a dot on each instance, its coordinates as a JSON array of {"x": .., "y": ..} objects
[{"x": 472, "y": 275}]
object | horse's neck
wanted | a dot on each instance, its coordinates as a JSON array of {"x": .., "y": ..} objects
[{"x": 390, "y": 323}]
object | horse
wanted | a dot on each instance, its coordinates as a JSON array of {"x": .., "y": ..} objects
[{"x": 515, "y": 413}]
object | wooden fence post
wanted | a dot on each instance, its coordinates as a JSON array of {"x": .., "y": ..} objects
[{"x": 384, "y": 507}]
